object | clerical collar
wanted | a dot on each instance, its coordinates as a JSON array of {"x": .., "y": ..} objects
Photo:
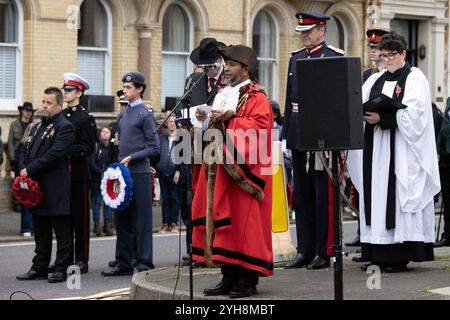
[
  {"x": 135, "y": 103},
  {"x": 315, "y": 48},
  {"x": 396, "y": 74}
]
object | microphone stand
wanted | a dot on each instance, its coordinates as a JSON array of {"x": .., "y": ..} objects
[{"x": 189, "y": 195}]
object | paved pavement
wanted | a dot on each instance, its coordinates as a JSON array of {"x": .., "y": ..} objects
[
  {"x": 160, "y": 283},
  {"x": 302, "y": 284}
]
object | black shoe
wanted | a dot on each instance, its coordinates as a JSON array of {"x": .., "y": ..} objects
[
  {"x": 116, "y": 272},
  {"x": 444, "y": 242},
  {"x": 84, "y": 267},
  {"x": 51, "y": 268},
  {"x": 113, "y": 263},
  {"x": 394, "y": 269},
  {"x": 366, "y": 266},
  {"x": 97, "y": 229},
  {"x": 319, "y": 262},
  {"x": 57, "y": 277},
  {"x": 240, "y": 291},
  {"x": 354, "y": 243},
  {"x": 219, "y": 290},
  {"x": 299, "y": 262},
  {"x": 107, "y": 228},
  {"x": 359, "y": 259},
  {"x": 32, "y": 275},
  {"x": 198, "y": 264}
]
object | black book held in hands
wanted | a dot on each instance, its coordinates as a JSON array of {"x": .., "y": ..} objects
[{"x": 381, "y": 104}]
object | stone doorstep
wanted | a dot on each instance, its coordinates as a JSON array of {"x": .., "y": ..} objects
[{"x": 441, "y": 291}]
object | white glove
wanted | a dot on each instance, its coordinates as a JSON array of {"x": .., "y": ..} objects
[
  {"x": 283, "y": 146},
  {"x": 287, "y": 152}
]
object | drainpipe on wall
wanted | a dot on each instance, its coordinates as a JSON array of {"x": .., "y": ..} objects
[{"x": 247, "y": 22}]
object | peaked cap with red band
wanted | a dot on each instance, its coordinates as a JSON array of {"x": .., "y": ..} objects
[
  {"x": 375, "y": 35},
  {"x": 74, "y": 81},
  {"x": 308, "y": 20}
]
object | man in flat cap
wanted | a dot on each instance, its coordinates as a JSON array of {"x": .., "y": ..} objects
[
  {"x": 233, "y": 199},
  {"x": 85, "y": 139},
  {"x": 311, "y": 182},
  {"x": 138, "y": 144}
]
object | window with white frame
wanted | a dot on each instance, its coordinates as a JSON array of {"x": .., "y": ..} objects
[
  {"x": 94, "y": 46},
  {"x": 177, "y": 44},
  {"x": 265, "y": 43},
  {"x": 10, "y": 58},
  {"x": 335, "y": 35}
]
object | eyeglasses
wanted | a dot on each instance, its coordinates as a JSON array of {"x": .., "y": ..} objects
[{"x": 389, "y": 55}]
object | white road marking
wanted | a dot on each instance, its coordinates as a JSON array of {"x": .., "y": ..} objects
[{"x": 31, "y": 243}]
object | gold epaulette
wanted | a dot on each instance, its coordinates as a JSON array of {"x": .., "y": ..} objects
[
  {"x": 295, "y": 52},
  {"x": 337, "y": 50}
]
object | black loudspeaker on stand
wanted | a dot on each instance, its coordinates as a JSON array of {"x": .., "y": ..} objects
[
  {"x": 180, "y": 102},
  {"x": 331, "y": 119}
]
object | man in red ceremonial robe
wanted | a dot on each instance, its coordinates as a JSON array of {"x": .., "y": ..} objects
[{"x": 232, "y": 206}]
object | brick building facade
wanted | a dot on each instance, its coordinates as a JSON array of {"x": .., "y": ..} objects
[{"x": 102, "y": 39}]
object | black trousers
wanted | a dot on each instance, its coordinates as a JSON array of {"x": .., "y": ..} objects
[
  {"x": 444, "y": 168},
  {"x": 135, "y": 226},
  {"x": 43, "y": 237},
  {"x": 184, "y": 209},
  {"x": 311, "y": 198},
  {"x": 79, "y": 211},
  {"x": 234, "y": 274}
]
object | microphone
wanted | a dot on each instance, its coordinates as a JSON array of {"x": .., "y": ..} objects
[
  {"x": 210, "y": 66},
  {"x": 188, "y": 84}
]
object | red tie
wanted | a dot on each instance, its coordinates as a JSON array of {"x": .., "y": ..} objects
[{"x": 212, "y": 82}]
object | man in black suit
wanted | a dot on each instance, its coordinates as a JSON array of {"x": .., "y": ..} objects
[
  {"x": 202, "y": 94},
  {"x": 207, "y": 53},
  {"x": 45, "y": 159}
]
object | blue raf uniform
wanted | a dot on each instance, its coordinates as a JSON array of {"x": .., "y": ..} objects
[
  {"x": 312, "y": 188},
  {"x": 134, "y": 225}
]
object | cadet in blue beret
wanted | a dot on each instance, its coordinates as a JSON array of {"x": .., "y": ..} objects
[
  {"x": 138, "y": 144},
  {"x": 311, "y": 182}
]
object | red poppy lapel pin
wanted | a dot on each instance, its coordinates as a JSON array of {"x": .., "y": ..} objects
[{"x": 398, "y": 90}]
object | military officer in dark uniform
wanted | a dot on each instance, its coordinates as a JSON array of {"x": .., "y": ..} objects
[
  {"x": 85, "y": 138},
  {"x": 45, "y": 158},
  {"x": 138, "y": 144},
  {"x": 311, "y": 183},
  {"x": 374, "y": 36}
]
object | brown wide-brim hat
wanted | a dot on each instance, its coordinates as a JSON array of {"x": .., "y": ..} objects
[
  {"x": 242, "y": 54},
  {"x": 27, "y": 106}
]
